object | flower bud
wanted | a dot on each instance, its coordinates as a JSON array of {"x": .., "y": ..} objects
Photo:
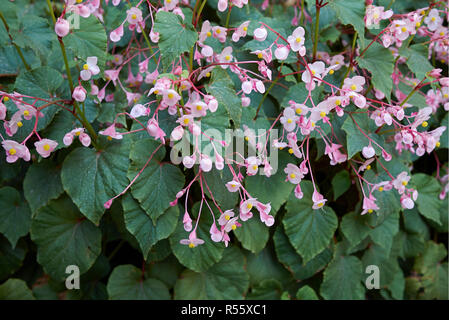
[
  {"x": 62, "y": 27},
  {"x": 79, "y": 94}
]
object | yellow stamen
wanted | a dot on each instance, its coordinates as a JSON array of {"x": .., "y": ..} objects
[
  {"x": 337, "y": 102},
  {"x": 322, "y": 114},
  {"x": 228, "y": 57},
  {"x": 424, "y": 124},
  {"x": 370, "y": 210},
  {"x": 331, "y": 71},
  {"x": 254, "y": 167},
  {"x": 298, "y": 40},
  {"x": 313, "y": 72},
  {"x": 245, "y": 28},
  {"x": 208, "y": 33},
  {"x": 438, "y": 144},
  {"x": 156, "y": 91},
  {"x": 403, "y": 29},
  {"x": 376, "y": 15},
  {"x": 19, "y": 124},
  {"x": 109, "y": 138},
  {"x": 418, "y": 24},
  {"x": 381, "y": 189},
  {"x": 319, "y": 205},
  {"x": 249, "y": 205},
  {"x": 26, "y": 113},
  {"x": 133, "y": 16},
  {"x": 433, "y": 19},
  {"x": 298, "y": 110},
  {"x": 198, "y": 107},
  {"x": 186, "y": 120},
  {"x": 77, "y": 133},
  {"x": 234, "y": 227},
  {"x": 368, "y": 167},
  {"x": 353, "y": 87},
  {"x": 12, "y": 151},
  {"x": 289, "y": 120},
  {"x": 293, "y": 176},
  {"x": 404, "y": 183},
  {"x": 290, "y": 150},
  {"x": 6, "y": 99},
  {"x": 246, "y": 138},
  {"x": 208, "y": 74},
  {"x": 313, "y": 124},
  {"x": 259, "y": 55},
  {"x": 218, "y": 31},
  {"x": 445, "y": 96},
  {"x": 441, "y": 33},
  {"x": 86, "y": 66},
  {"x": 46, "y": 147},
  {"x": 170, "y": 95},
  {"x": 227, "y": 217},
  {"x": 191, "y": 245}
]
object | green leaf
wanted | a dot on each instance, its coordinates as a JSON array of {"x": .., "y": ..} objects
[
  {"x": 42, "y": 183},
  {"x": 309, "y": 230},
  {"x": 253, "y": 235},
  {"x": 384, "y": 233},
  {"x": 306, "y": 293},
  {"x": 293, "y": 261},
  {"x": 15, "y": 215},
  {"x": 35, "y": 33},
  {"x": 428, "y": 196},
  {"x": 351, "y": 12},
  {"x": 42, "y": 82},
  {"x": 11, "y": 258},
  {"x": 417, "y": 59},
  {"x": 203, "y": 256},
  {"x": 64, "y": 237},
  {"x": 92, "y": 177},
  {"x": 222, "y": 88},
  {"x": 380, "y": 62},
  {"x": 299, "y": 93},
  {"x": 141, "y": 226},
  {"x": 268, "y": 289},
  {"x": 216, "y": 180},
  {"x": 355, "y": 139},
  {"x": 340, "y": 183},
  {"x": 343, "y": 279},
  {"x": 15, "y": 289},
  {"x": 89, "y": 40},
  {"x": 223, "y": 281},
  {"x": 127, "y": 282},
  {"x": 355, "y": 227},
  {"x": 159, "y": 183},
  {"x": 176, "y": 36}
]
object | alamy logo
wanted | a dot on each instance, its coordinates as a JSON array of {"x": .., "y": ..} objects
[
  {"x": 73, "y": 280},
  {"x": 373, "y": 280}
]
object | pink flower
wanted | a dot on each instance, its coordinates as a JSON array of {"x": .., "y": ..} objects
[
  {"x": 369, "y": 204},
  {"x": 354, "y": 84},
  {"x": 264, "y": 210},
  {"x": 401, "y": 181},
  {"x": 252, "y": 165},
  {"x": 14, "y": 151},
  {"x": 45, "y": 146},
  {"x": 232, "y": 224},
  {"x": 281, "y": 52},
  {"x": 219, "y": 33},
  {"x": 433, "y": 20},
  {"x": 134, "y": 16},
  {"x": 298, "y": 192},
  {"x": 187, "y": 221},
  {"x": 294, "y": 174},
  {"x": 245, "y": 208},
  {"x": 116, "y": 34},
  {"x": 335, "y": 154},
  {"x": 368, "y": 151},
  {"x": 155, "y": 131},
  {"x": 222, "y": 5},
  {"x": 233, "y": 186},
  {"x": 296, "y": 41},
  {"x": 79, "y": 94},
  {"x": 205, "y": 163},
  {"x": 90, "y": 68},
  {"x": 193, "y": 241},
  {"x": 225, "y": 57},
  {"x": 225, "y": 217},
  {"x": 260, "y": 34},
  {"x": 289, "y": 119},
  {"x": 78, "y": 132},
  {"x": 215, "y": 234},
  {"x": 240, "y": 32},
  {"x": 62, "y": 27},
  {"x": 3, "y": 111},
  {"x": 170, "y": 4},
  {"x": 111, "y": 133},
  {"x": 318, "y": 200},
  {"x": 170, "y": 97},
  {"x": 317, "y": 68}
]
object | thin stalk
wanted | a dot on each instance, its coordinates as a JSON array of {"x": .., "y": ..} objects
[
  {"x": 199, "y": 12},
  {"x": 301, "y": 19},
  {"x": 12, "y": 41},
  {"x": 227, "y": 17},
  {"x": 317, "y": 26},
  {"x": 264, "y": 96},
  {"x": 412, "y": 92},
  {"x": 351, "y": 60},
  {"x": 83, "y": 119},
  {"x": 149, "y": 45}
]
